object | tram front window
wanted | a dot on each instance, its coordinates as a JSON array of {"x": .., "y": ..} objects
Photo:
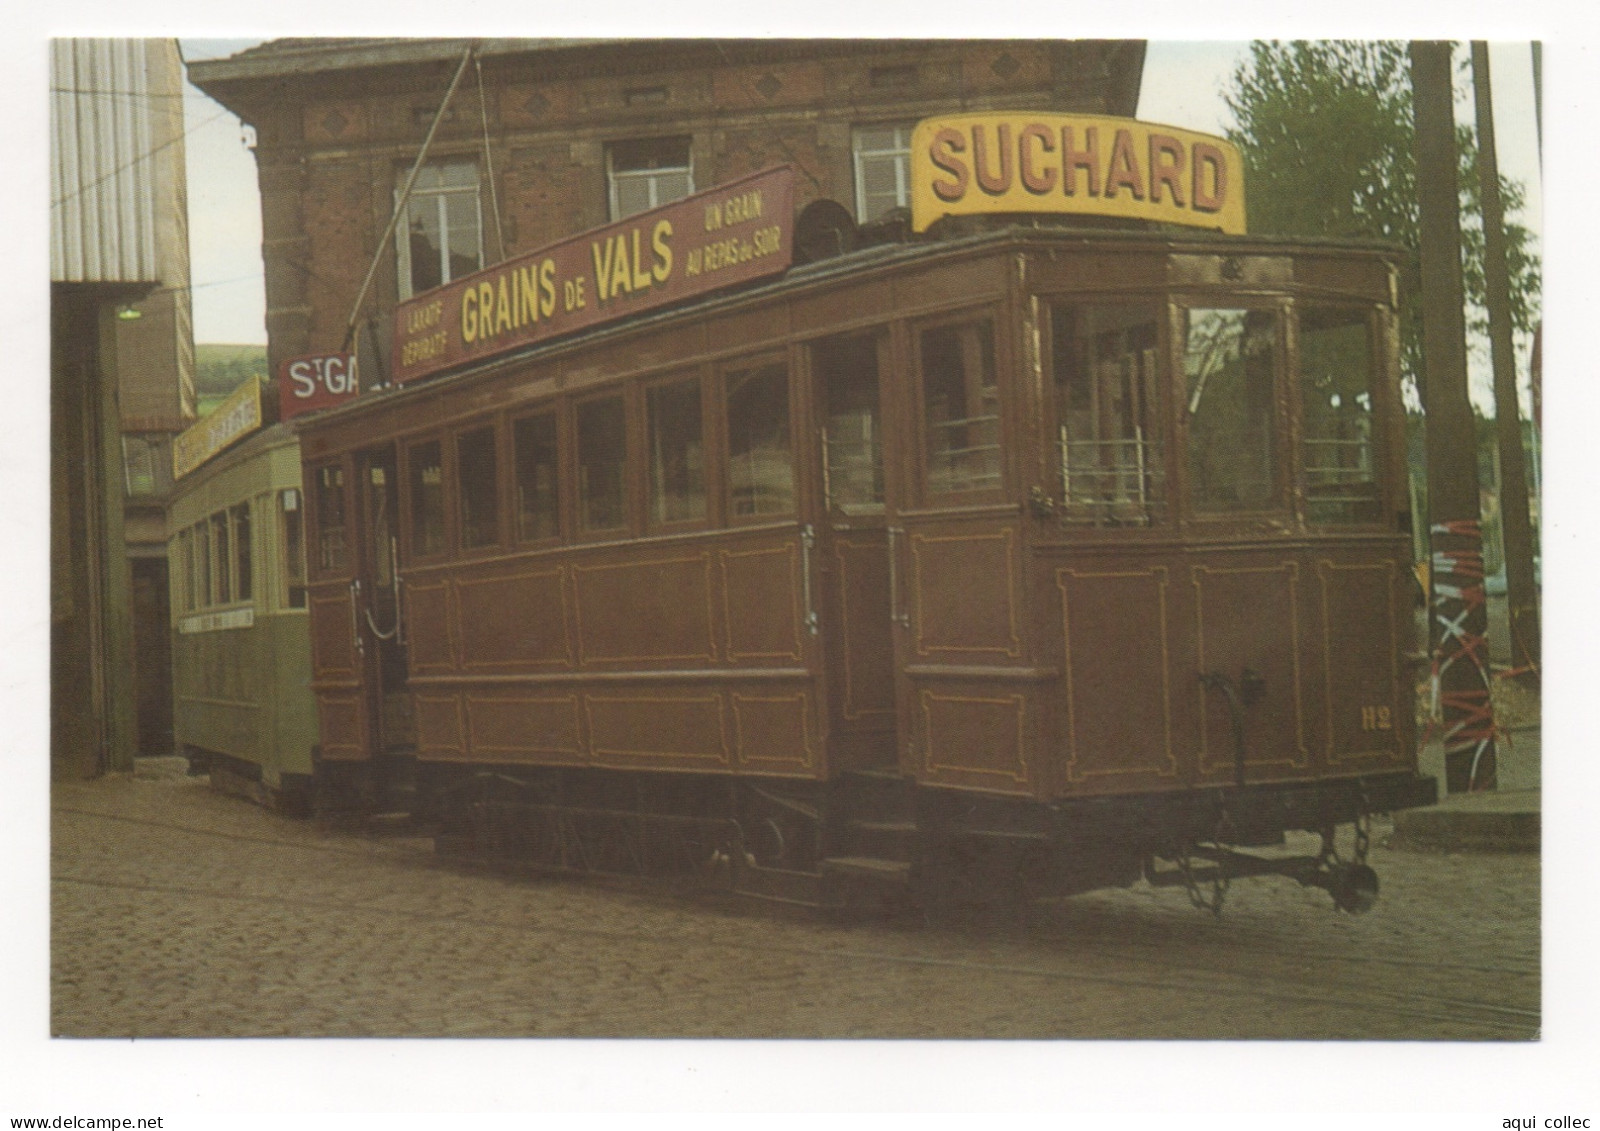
[
  {"x": 1104, "y": 372},
  {"x": 330, "y": 518},
  {"x": 1336, "y": 400},
  {"x": 961, "y": 403},
  {"x": 852, "y": 449},
  {"x": 1229, "y": 362}
]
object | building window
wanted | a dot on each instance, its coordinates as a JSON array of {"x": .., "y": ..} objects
[
  {"x": 443, "y": 236},
  {"x": 760, "y": 470},
  {"x": 602, "y": 464},
  {"x": 478, "y": 474},
  {"x": 677, "y": 456},
  {"x": 147, "y": 466},
  {"x": 426, "y": 463},
  {"x": 646, "y": 174},
  {"x": 1229, "y": 366},
  {"x": 538, "y": 477},
  {"x": 961, "y": 407},
  {"x": 883, "y": 167},
  {"x": 1336, "y": 398},
  {"x": 1104, "y": 362}
]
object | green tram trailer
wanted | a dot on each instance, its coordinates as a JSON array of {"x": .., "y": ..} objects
[{"x": 240, "y": 643}]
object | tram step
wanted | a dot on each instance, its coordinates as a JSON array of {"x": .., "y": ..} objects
[
  {"x": 396, "y": 823},
  {"x": 779, "y": 885},
  {"x": 868, "y": 867},
  {"x": 893, "y": 839}
]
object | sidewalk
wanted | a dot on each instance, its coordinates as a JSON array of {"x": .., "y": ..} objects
[{"x": 1504, "y": 819}]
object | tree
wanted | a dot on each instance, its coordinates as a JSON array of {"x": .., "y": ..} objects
[{"x": 1325, "y": 130}]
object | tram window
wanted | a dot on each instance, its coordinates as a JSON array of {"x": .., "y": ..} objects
[
  {"x": 294, "y": 553},
  {"x": 330, "y": 518},
  {"x": 538, "y": 477},
  {"x": 1336, "y": 400},
  {"x": 221, "y": 559},
  {"x": 243, "y": 581},
  {"x": 426, "y": 464},
  {"x": 852, "y": 447},
  {"x": 202, "y": 561},
  {"x": 677, "y": 453},
  {"x": 961, "y": 408},
  {"x": 1110, "y": 450},
  {"x": 1229, "y": 359},
  {"x": 760, "y": 469},
  {"x": 602, "y": 464},
  {"x": 478, "y": 475}
]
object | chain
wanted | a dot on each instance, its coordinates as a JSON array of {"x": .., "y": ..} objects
[
  {"x": 1219, "y": 887},
  {"x": 1363, "y": 826}
]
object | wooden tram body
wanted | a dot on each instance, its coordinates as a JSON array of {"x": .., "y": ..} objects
[
  {"x": 241, "y": 650},
  {"x": 1014, "y": 558}
]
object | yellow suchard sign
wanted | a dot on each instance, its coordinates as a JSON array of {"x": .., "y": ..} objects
[{"x": 1085, "y": 164}]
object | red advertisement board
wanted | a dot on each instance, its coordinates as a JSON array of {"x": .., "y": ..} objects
[
  {"x": 737, "y": 232},
  {"x": 315, "y": 381}
]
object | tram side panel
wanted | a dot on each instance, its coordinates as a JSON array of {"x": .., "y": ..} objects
[
  {"x": 691, "y": 656},
  {"x": 1321, "y": 629}
]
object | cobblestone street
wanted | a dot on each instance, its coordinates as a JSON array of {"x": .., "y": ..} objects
[{"x": 180, "y": 912}]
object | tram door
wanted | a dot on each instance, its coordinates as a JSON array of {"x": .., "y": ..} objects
[
  {"x": 854, "y": 547},
  {"x": 378, "y": 599}
]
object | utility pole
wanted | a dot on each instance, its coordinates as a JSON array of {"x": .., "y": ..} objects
[
  {"x": 1522, "y": 597},
  {"x": 1458, "y": 628}
]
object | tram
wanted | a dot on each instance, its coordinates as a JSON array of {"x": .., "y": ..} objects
[
  {"x": 241, "y": 649},
  {"x": 1019, "y": 559}
]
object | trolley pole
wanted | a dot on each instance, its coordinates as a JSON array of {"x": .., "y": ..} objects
[
  {"x": 1458, "y": 626},
  {"x": 1522, "y": 599}
]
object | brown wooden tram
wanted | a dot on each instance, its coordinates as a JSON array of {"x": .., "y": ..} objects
[{"x": 1014, "y": 561}]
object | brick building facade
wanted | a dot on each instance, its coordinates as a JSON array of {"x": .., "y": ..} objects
[{"x": 542, "y": 139}]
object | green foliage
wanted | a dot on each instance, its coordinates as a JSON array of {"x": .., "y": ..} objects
[
  {"x": 220, "y": 369},
  {"x": 1325, "y": 129}
]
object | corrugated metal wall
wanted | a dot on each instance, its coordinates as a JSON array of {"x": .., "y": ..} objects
[{"x": 102, "y": 176}]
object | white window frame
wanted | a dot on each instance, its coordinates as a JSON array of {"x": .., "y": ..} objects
[
  {"x": 651, "y": 177},
  {"x": 899, "y": 155},
  {"x": 437, "y": 197}
]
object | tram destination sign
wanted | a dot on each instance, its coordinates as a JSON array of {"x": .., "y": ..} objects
[
  {"x": 235, "y": 417},
  {"x": 1083, "y": 164},
  {"x": 315, "y": 381},
  {"x": 735, "y": 233}
]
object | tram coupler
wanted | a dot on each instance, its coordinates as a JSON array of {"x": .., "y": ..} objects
[{"x": 1353, "y": 886}]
